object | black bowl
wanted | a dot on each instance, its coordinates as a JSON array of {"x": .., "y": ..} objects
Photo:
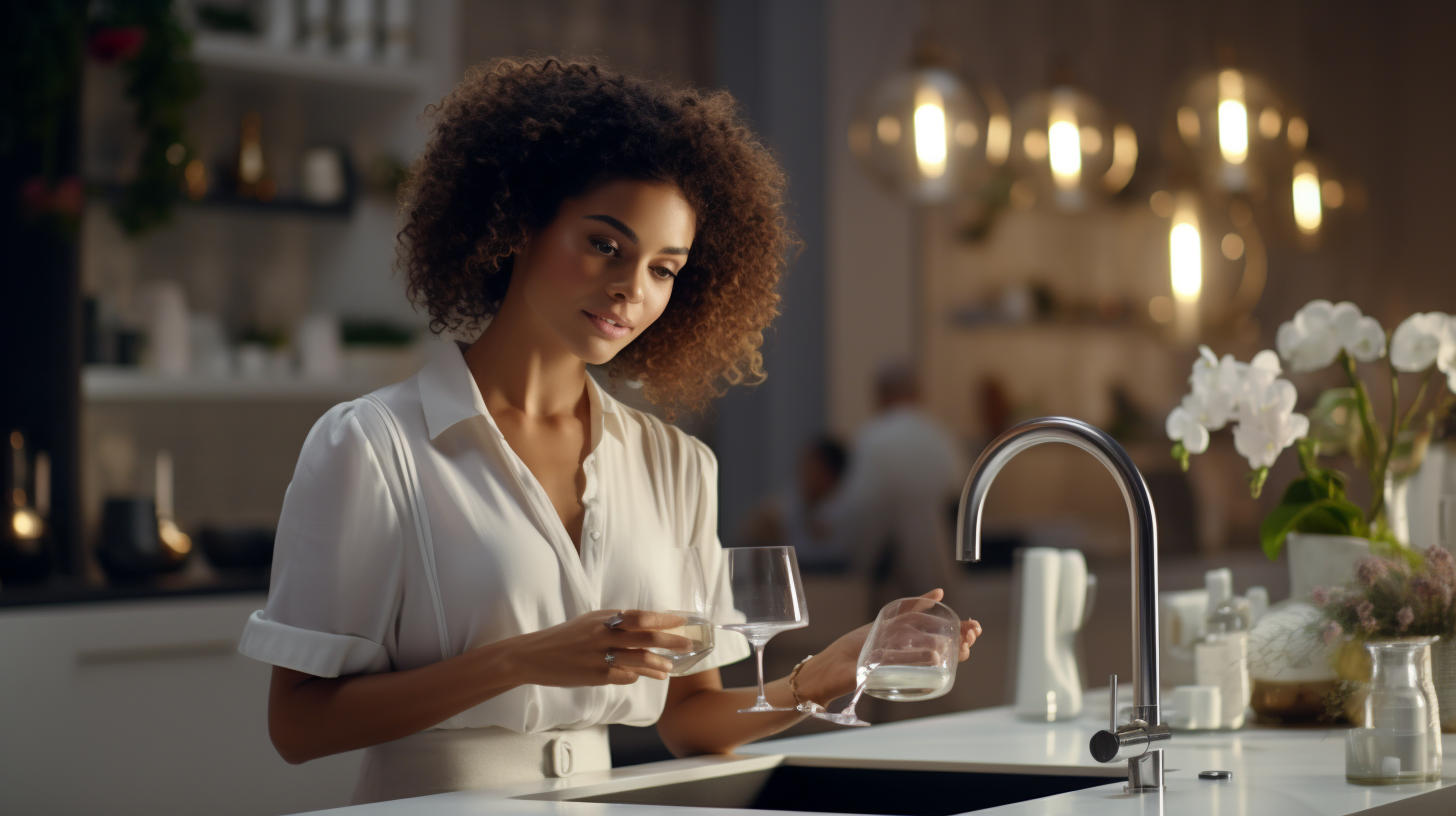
[{"x": 237, "y": 547}]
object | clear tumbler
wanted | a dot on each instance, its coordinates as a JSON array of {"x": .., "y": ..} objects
[{"x": 1400, "y": 740}]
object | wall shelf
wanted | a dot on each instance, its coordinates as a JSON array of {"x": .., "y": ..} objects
[
  {"x": 112, "y": 384},
  {"x": 246, "y": 58}
]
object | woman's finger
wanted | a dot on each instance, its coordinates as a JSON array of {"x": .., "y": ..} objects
[
  {"x": 640, "y": 662},
  {"x": 650, "y": 639},
  {"x": 642, "y": 620}
]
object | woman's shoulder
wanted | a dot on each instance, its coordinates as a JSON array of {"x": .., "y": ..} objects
[{"x": 685, "y": 454}]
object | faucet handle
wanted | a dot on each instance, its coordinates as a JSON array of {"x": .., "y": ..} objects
[{"x": 1112, "y": 706}]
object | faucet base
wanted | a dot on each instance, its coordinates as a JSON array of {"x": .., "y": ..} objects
[{"x": 1145, "y": 774}]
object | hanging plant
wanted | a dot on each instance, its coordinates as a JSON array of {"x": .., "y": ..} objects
[{"x": 42, "y": 67}]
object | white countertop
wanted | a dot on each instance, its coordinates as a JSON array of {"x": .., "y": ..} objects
[{"x": 1277, "y": 772}]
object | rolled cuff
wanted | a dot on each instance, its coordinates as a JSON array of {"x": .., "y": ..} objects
[{"x": 321, "y": 654}]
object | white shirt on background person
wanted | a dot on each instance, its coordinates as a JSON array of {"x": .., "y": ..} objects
[{"x": 353, "y": 591}]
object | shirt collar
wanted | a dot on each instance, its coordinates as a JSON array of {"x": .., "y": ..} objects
[{"x": 449, "y": 395}]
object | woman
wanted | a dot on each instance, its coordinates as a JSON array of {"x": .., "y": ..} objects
[{"x": 455, "y": 551}]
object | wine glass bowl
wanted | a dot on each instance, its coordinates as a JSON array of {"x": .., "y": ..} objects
[
  {"x": 680, "y": 589},
  {"x": 910, "y": 654},
  {"x": 768, "y": 598}
]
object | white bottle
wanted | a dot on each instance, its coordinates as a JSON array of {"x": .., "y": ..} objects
[{"x": 1221, "y": 658}]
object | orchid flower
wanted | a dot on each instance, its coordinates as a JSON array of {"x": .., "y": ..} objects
[{"x": 1418, "y": 340}]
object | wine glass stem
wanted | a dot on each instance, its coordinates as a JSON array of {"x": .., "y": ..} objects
[{"x": 758, "y": 653}]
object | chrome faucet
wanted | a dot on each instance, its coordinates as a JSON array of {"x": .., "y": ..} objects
[{"x": 1134, "y": 740}]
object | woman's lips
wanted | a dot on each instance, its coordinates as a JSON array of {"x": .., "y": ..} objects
[{"x": 609, "y": 329}]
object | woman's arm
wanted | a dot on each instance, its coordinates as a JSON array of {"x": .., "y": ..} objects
[
  {"x": 311, "y": 717},
  {"x": 701, "y": 717}
]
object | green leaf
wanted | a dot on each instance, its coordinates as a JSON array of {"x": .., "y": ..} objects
[{"x": 1322, "y": 515}]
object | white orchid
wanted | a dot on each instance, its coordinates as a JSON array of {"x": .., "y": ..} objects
[
  {"x": 1321, "y": 330},
  {"x": 1308, "y": 341},
  {"x": 1417, "y": 341},
  {"x": 1184, "y": 427},
  {"x": 1268, "y": 424}
]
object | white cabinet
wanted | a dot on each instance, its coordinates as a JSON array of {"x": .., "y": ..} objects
[{"x": 145, "y": 707}]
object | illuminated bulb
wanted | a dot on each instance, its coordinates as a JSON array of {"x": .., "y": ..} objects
[
  {"x": 1232, "y": 246},
  {"x": 1307, "y": 208},
  {"x": 1269, "y": 123},
  {"x": 25, "y": 523},
  {"x": 998, "y": 139},
  {"x": 1185, "y": 255},
  {"x": 1298, "y": 132},
  {"x": 1035, "y": 145},
  {"x": 1233, "y": 118},
  {"x": 1124, "y": 158},
  {"x": 966, "y": 134},
  {"x": 1188, "y": 125},
  {"x": 930, "y": 136},
  {"x": 888, "y": 129},
  {"x": 1064, "y": 146}
]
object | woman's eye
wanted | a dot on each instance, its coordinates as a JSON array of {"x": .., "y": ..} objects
[
  {"x": 604, "y": 247},
  {"x": 664, "y": 273}
]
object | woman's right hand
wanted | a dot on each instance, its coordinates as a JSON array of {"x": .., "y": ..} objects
[{"x": 575, "y": 653}]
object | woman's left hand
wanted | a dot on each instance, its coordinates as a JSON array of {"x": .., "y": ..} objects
[{"x": 831, "y": 673}]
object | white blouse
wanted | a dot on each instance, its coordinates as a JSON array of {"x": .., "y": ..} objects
[{"x": 362, "y": 585}]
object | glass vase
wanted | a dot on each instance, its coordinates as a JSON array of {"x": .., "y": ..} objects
[{"x": 1399, "y": 740}]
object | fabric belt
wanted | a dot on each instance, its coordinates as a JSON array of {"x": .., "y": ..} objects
[{"x": 444, "y": 760}]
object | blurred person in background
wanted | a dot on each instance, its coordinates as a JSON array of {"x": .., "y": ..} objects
[
  {"x": 890, "y": 514},
  {"x": 459, "y": 554},
  {"x": 793, "y": 519}
]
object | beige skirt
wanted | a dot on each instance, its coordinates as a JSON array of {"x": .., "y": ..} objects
[{"x": 444, "y": 760}]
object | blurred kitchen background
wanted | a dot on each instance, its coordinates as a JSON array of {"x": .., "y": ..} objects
[{"x": 200, "y": 225}]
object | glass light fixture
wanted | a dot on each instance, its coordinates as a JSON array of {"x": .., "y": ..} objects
[
  {"x": 1068, "y": 150},
  {"x": 1215, "y": 261},
  {"x": 928, "y": 136},
  {"x": 1238, "y": 133},
  {"x": 1314, "y": 197}
]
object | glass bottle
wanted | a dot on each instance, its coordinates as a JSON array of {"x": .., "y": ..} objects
[
  {"x": 1221, "y": 657},
  {"x": 1400, "y": 740}
]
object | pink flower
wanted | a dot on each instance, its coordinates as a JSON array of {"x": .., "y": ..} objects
[
  {"x": 1441, "y": 565},
  {"x": 1321, "y": 596},
  {"x": 1369, "y": 570},
  {"x": 1366, "y": 611},
  {"x": 1331, "y": 632},
  {"x": 1405, "y": 617},
  {"x": 110, "y": 45}
]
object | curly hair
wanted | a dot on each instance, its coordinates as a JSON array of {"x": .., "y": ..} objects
[{"x": 517, "y": 137}]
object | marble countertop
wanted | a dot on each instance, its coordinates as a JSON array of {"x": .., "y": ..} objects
[{"x": 1276, "y": 772}]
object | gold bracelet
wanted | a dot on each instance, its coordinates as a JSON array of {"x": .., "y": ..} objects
[{"x": 794, "y": 690}]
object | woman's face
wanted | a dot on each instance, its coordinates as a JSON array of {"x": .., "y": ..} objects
[{"x": 602, "y": 271}]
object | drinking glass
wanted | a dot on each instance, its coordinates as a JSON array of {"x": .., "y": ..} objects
[
  {"x": 768, "y": 598},
  {"x": 678, "y": 588},
  {"x": 910, "y": 654},
  {"x": 1400, "y": 738}
]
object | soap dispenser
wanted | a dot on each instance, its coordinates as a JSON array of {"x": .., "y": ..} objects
[{"x": 1053, "y": 600}]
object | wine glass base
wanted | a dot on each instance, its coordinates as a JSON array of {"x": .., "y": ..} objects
[
  {"x": 840, "y": 718},
  {"x": 756, "y": 709}
]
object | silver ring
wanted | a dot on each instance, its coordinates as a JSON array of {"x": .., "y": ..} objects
[
  {"x": 611, "y": 659},
  {"x": 615, "y": 621}
]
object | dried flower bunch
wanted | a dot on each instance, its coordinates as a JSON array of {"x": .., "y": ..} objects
[{"x": 1389, "y": 598}]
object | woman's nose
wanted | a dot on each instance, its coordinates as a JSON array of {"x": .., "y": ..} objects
[{"x": 630, "y": 288}]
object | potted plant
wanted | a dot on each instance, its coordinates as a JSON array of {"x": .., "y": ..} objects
[
  {"x": 1326, "y": 532},
  {"x": 1385, "y": 599}
]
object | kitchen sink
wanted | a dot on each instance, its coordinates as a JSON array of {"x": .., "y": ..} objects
[{"x": 782, "y": 783}]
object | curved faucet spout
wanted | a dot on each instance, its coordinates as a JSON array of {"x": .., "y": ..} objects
[{"x": 1146, "y": 771}]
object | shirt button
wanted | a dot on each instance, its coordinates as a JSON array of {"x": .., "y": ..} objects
[{"x": 596, "y": 534}]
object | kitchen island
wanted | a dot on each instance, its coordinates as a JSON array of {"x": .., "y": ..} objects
[{"x": 1276, "y": 772}]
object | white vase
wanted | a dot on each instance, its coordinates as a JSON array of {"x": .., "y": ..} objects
[{"x": 1317, "y": 559}]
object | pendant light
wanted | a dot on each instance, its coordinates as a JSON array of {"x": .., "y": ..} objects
[
  {"x": 1238, "y": 133},
  {"x": 1068, "y": 150},
  {"x": 926, "y": 135},
  {"x": 1216, "y": 263}
]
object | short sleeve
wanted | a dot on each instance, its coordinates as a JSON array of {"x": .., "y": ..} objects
[
  {"x": 337, "y": 563},
  {"x": 729, "y": 647}
]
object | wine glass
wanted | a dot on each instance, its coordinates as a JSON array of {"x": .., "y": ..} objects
[
  {"x": 910, "y": 654},
  {"x": 677, "y": 587},
  {"x": 768, "y": 598}
]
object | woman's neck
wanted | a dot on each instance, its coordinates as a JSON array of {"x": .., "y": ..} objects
[{"x": 519, "y": 364}]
